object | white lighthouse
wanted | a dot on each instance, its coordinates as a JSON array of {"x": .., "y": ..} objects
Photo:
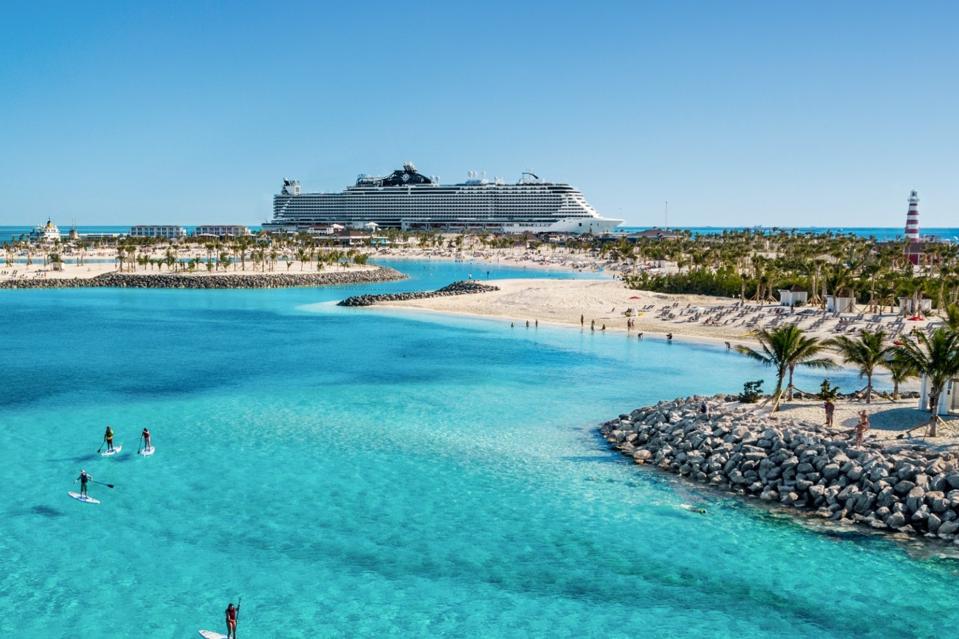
[{"x": 912, "y": 218}]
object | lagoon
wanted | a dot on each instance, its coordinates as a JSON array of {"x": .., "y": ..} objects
[{"x": 375, "y": 473}]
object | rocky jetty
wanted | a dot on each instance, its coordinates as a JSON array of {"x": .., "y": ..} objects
[
  {"x": 902, "y": 488},
  {"x": 463, "y": 287},
  {"x": 214, "y": 280}
]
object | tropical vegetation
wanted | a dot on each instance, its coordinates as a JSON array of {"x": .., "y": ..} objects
[
  {"x": 935, "y": 356},
  {"x": 784, "y": 349},
  {"x": 867, "y": 352}
]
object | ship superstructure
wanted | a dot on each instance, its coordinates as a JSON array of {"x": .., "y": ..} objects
[{"x": 406, "y": 199}]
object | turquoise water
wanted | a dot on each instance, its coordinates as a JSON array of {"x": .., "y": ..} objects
[{"x": 363, "y": 473}]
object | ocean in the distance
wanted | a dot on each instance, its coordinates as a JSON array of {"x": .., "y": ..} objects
[
  {"x": 11, "y": 233},
  {"x": 371, "y": 473}
]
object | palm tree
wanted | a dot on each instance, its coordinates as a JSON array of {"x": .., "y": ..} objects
[
  {"x": 952, "y": 317},
  {"x": 937, "y": 358},
  {"x": 785, "y": 348},
  {"x": 900, "y": 369},
  {"x": 866, "y": 352}
]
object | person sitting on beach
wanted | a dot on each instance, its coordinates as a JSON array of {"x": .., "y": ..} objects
[
  {"x": 704, "y": 409},
  {"x": 84, "y": 479},
  {"x": 669, "y": 337},
  {"x": 830, "y": 409},
  {"x": 147, "y": 444},
  {"x": 861, "y": 427},
  {"x": 231, "y": 614},
  {"x": 108, "y": 438}
]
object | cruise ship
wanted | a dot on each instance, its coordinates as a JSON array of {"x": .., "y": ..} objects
[{"x": 408, "y": 200}]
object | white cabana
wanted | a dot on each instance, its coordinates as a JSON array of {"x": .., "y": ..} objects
[
  {"x": 948, "y": 400},
  {"x": 911, "y": 306},
  {"x": 840, "y": 304},
  {"x": 792, "y": 297}
]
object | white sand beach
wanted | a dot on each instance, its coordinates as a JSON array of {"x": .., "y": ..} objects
[
  {"x": 888, "y": 419},
  {"x": 611, "y": 304}
]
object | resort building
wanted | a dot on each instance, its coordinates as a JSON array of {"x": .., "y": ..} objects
[
  {"x": 654, "y": 233},
  {"x": 221, "y": 230},
  {"x": 164, "y": 231}
]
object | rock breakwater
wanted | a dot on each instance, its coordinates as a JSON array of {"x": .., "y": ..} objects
[
  {"x": 901, "y": 488},
  {"x": 463, "y": 287},
  {"x": 214, "y": 280}
]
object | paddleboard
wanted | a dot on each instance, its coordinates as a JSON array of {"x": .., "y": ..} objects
[
  {"x": 83, "y": 498},
  {"x": 209, "y": 634},
  {"x": 110, "y": 453},
  {"x": 146, "y": 452}
]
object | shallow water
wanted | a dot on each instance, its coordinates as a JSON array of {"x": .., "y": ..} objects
[{"x": 367, "y": 473}]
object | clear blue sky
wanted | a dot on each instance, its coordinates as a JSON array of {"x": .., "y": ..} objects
[{"x": 738, "y": 113}]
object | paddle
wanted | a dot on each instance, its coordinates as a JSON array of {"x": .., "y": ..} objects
[
  {"x": 102, "y": 483},
  {"x": 138, "y": 443}
]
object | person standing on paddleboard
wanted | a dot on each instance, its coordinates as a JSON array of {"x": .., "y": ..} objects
[
  {"x": 84, "y": 478},
  {"x": 231, "y": 615},
  {"x": 146, "y": 439},
  {"x": 108, "y": 438}
]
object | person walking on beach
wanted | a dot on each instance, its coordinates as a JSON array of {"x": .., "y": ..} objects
[
  {"x": 582, "y": 319},
  {"x": 861, "y": 427},
  {"x": 231, "y": 614},
  {"x": 108, "y": 438},
  {"x": 592, "y": 325},
  {"x": 830, "y": 409},
  {"x": 84, "y": 479}
]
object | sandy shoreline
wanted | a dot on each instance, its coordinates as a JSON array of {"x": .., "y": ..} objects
[{"x": 595, "y": 304}]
